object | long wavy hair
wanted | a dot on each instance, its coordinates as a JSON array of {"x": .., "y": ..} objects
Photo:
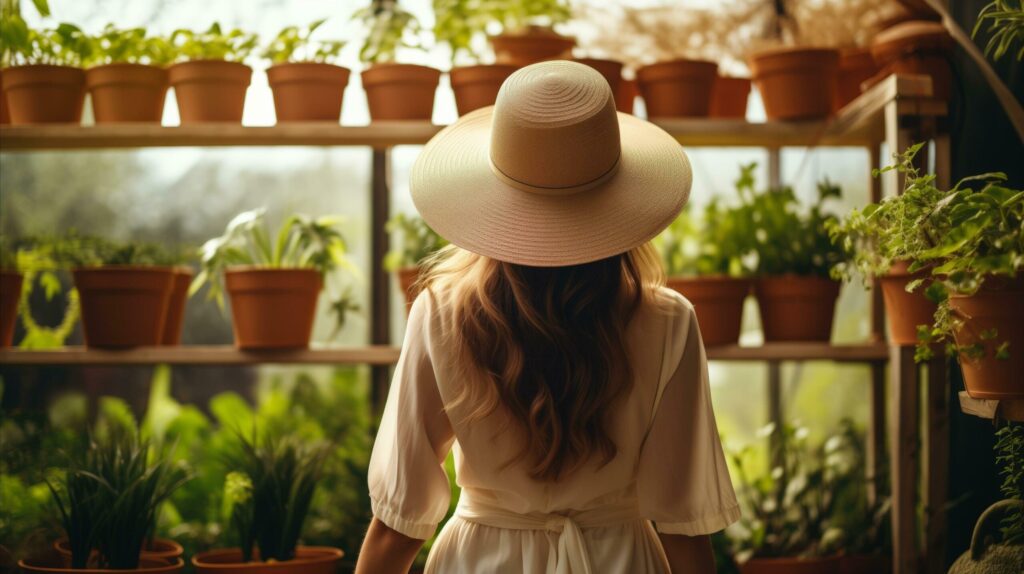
[{"x": 545, "y": 344}]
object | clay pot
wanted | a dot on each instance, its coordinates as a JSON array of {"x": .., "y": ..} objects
[
  {"x": 123, "y": 306},
  {"x": 407, "y": 278},
  {"x": 916, "y": 47},
  {"x": 176, "y": 306},
  {"x": 273, "y": 308},
  {"x": 10, "y": 294},
  {"x": 155, "y": 549},
  {"x": 308, "y": 91},
  {"x": 856, "y": 65},
  {"x": 53, "y": 564},
  {"x": 127, "y": 92},
  {"x": 5, "y": 116},
  {"x": 400, "y": 91},
  {"x": 477, "y": 87},
  {"x": 999, "y": 306},
  {"x": 677, "y": 88},
  {"x": 796, "y": 308},
  {"x": 535, "y": 44},
  {"x": 610, "y": 69},
  {"x": 827, "y": 565},
  {"x": 796, "y": 83},
  {"x": 729, "y": 97},
  {"x": 718, "y": 302},
  {"x": 308, "y": 560},
  {"x": 905, "y": 311},
  {"x": 625, "y": 97},
  {"x": 865, "y": 564},
  {"x": 210, "y": 90},
  {"x": 42, "y": 94}
]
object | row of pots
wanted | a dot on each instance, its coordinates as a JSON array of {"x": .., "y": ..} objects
[{"x": 838, "y": 564}]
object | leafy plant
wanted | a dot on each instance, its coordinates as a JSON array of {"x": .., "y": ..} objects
[
  {"x": 419, "y": 241},
  {"x": 214, "y": 44},
  {"x": 388, "y": 28},
  {"x": 516, "y": 15},
  {"x": 459, "y": 22},
  {"x": 38, "y": 263},
  {"x": 75, "y": 250},
  {"x": 294, "y": 44},
  {"x": 717, "y": 242},
  {"x": 1010, "y": 458},
  {"x": 132, "y": 45},
  {"x": 14, "y": 33},
  {"x": 865, "y": 524},
  {"x": 1006, "y": 24},
  {"x": 65, "y": 45}
]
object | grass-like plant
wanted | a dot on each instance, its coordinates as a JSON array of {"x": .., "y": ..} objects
[
  {"x": 1005, "y": 21},
  {"x": 214, "y": 44},
  {"x": 388, "y": 27},
  {"x": 717, "y": 241},
  {"x": 418, "y": 242},
  {"x": 133, "y": 46},
  {"x": 295, "y": 44}
]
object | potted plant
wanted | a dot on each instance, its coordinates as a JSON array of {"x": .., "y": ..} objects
[
  {"x": 12, "y": 31},
  {"x": 270, "y": 489},
  {"x": 527, "y": 31},
  {"x": 729, "y": 97},
  {"x": 856, "y": 66},
  {"x": 175, "y": 318},
  {"x": 677, "y": 88},
  {"x": 210, "y": 86},
  {"x": 703, "y": 259},
  {"x": 306, "y": 85},
  {"x": 274, "y": 287},
  {"x": 796, "y": 83},
  {"x": 45, "y": 83},
  {"x": 130, "y": 83},
  {"x": 10, "y": 291},
  {"x": 916, "y": 47},
  {"x": 418, "y": 243}
]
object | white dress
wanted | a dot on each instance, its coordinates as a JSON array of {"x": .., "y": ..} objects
[{"x": 669, "y": 469}]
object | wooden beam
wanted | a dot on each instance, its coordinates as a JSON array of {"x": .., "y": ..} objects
[
  {"x": 937, "y": 471},
  {"x": 904, "y": 419},
  {"x": 380, "y": 279},
  {"x": 201, "y": 355}
]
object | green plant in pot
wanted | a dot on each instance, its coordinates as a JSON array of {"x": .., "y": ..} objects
[
  {"x": 526, "y": 30},
  {"x": 274, "y": 284},
  {"x": 10, "y": 290},
  {"x": 704, "y": 259},
  {"x": 270, "y": 490},
  {"x": 307, "y": 86},
  {"x": 211, "y": 83},
  {"x": 12, "y": 26},
  {"x": 128, "y": 77},
  {"x": 418, "y": 242},
  {"x": 394, "y": 91},
  {"x": 37, "y": 262}
]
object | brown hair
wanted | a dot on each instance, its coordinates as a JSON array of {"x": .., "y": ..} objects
[{"x": 546, "y": 344}]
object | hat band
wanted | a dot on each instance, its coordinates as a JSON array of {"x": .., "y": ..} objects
[{"x": 568, "y": 190}]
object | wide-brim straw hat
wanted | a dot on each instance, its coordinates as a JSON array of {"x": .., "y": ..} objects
[{"x": 551, "y": 175}]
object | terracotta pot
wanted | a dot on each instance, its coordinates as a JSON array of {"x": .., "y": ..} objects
[
  {"x": 42, "y": 94},
  {"x": 718, "y": 302},
  {"x": 827, "y": 565},
  {"x": 865, "y": 564},
  {"x": 905, "y": 311},
  {"x": 796, "y": 83},
  {"x": 127, "y": 92},
  {"x": 407, "y": 278},
  {"x": 856, "y": 65},
  {"x": 999, "y": 305},
  {"x": 5, "y": 116},
  {"x": 210, "y": 90},
  {"x": 123, "y": 306},
  {"x": 796, "y": 308},
  {"x": 53, "y": 564},
  {"x": 535, "y": 44},
  {"x": 610, "y": 69},
  {"x": 308, "y": 91},
  {"x": 677, "y": 88},
  {"x": 729, "y": 97},
  {"x": 400, "y": 91},
  {"x": 176, "y": 306},
  {"x": 155, "y": 549},
  {"x": 10, "y": 293},
  {"x": 625, "y": 97},
  {"x": 477, "y": 87},
  {"x": 916, "y": 47},
  {"x": 308, "y": 560},
  {"x": 273, "y": 308}
]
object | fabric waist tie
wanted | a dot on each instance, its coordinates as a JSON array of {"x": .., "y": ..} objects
[{"x": 571, "y": 556}]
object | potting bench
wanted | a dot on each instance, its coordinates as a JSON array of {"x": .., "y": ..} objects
[{"x": 896, "y": 112}]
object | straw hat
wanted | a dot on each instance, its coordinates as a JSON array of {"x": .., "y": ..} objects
[{"x": 551, "y": 175}]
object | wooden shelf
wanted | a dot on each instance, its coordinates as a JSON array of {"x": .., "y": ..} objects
[
  {"x": 1012, "y": 410},
  {"x": 864, "y": 353}
]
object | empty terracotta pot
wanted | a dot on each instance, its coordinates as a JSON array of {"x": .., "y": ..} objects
[
  {"x": 610, "y": 69},
  {"x": 41, "y": 94},
  {"x": 308, "y": 560},
  {"x": 856, "y": 66},
  {"x": 865, "y": 564},
  {"x": 308, "y": 91},
  {"x": 407, "y": 278},
  {"x": 796, "y": 308},
  {"x": 273, "y": 308},
  {"x": 477, "y": 87},
  {"x": 5, "y": 116},
  {"x": 123, "y": 306},
  {"x": 997, "y": 308},
  {"x": 10, "y": 293},
  {"x": 729, "y": 97},
  {"x": 210, "y": 90},
  {"x": 400, "y": 91},
  {"x": 827, "y": 565},
  {"x": 625, "y": 97},
  {"x": 796, "y": 83},
  {"x": 677, "y": 88},
  {"x": 535, "y": 44},
  {"x": 905, "y": 311},
  {"x": 916, "y": 47},
  {"x": 127, "y": 92},
  {"x": 718, "y": 302},
  {"x": 176, "y": 306}
]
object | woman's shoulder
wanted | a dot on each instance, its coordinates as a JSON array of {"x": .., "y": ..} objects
[{"x": 670, "y": 302}]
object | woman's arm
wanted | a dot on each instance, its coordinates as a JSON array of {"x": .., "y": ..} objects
[
  {"x": 690, "y": 554},
  {"x": 387, "y": 551}
]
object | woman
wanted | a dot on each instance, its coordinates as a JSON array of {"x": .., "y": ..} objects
[{"x": 543, "y": 349}]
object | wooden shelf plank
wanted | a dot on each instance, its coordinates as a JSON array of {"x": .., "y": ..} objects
[
  {"x": 1012, "y": 410},
  {"x": 863, "y": 353}
]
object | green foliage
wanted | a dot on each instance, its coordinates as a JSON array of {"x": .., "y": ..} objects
[
  {"x": 388, "y": 28},
  {"x": 459, "y": 22},
  {"x": 74, "y": 250},
  {"x": 865, "y": 524},
  {"x": 294, "y": 44},
  {"x": 716, "y": 243},
  {"x": 1005, "y": 20},
  {"x": 39, "y": 265},
  {"x": 418, "y": 242},
  {"x": 131, "y": 45},
  {"x": 517, "y": 15},
  {"x": 65, "y": 45},
  {"x": 214, "y": 44},
  {"x": 1010, "y": 459}
]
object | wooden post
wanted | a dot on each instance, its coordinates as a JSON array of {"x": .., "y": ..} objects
[
  {"x": 380, "y": 302},
  {"x": 876, "y": 416},
  {"x": 775, "y": 416},
  {"x": 903, "y": 427},
  {"x": 937, "y": 473}
]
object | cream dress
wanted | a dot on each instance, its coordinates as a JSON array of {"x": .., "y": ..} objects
[{"x": 669, "y": 469}]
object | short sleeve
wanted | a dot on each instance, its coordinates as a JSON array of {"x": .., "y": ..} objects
[
  {"x": 409, "y": 489},
  {"x": 683, "y": 483}
]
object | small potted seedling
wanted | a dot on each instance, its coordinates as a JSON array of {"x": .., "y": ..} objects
[
  {"x": 270, "y": 489},
  {"x": 10, "y": 291},
  {"x": 527, "y": 31},
  {"x": 306, "y": 85},
  {"x": 418, "y": 242},
  {"x": 210, "y": 85},
  {"x": 130, "y": 82},
  {"x": 274, "y": 286},
  {"x": 394, "y": 91}
]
